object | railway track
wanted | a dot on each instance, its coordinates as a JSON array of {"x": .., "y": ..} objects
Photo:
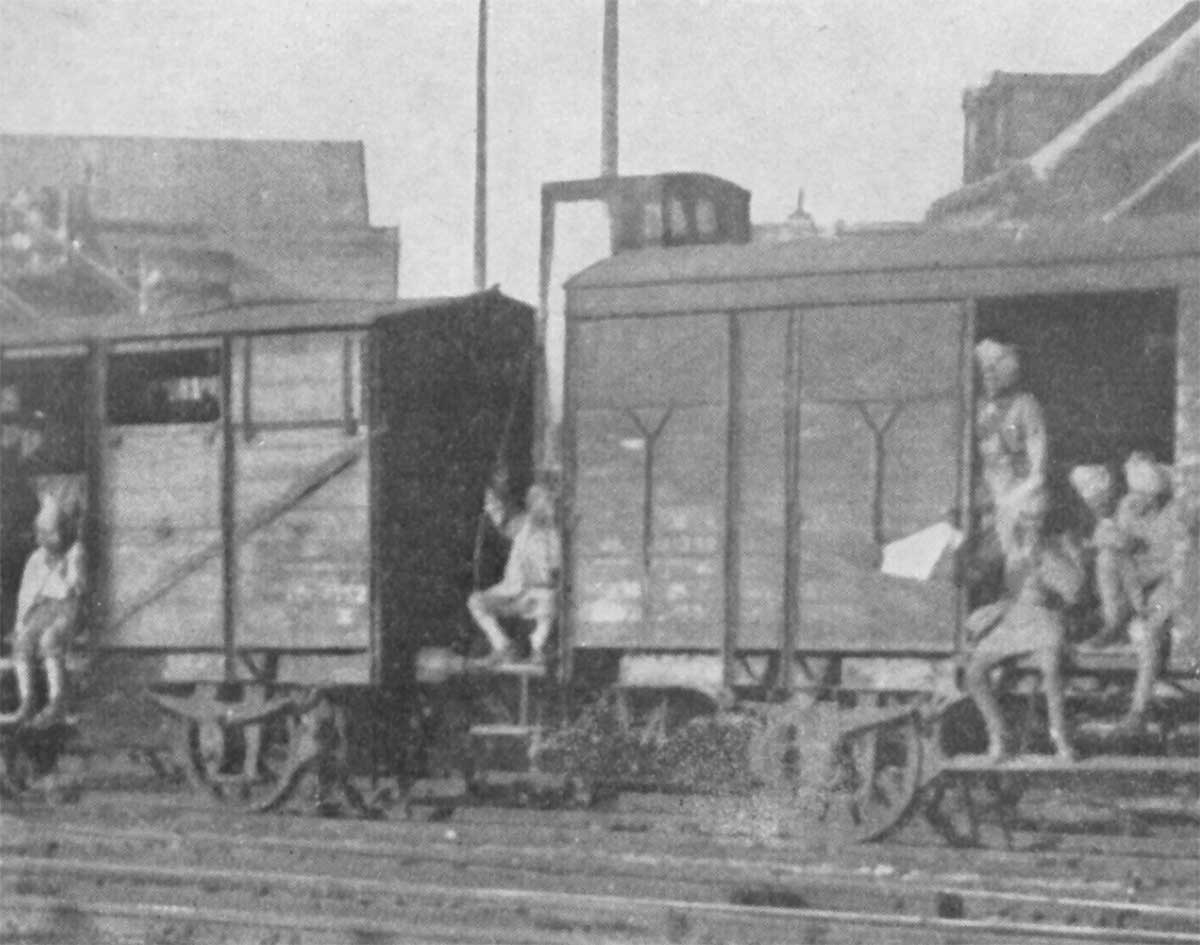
[
  {"x": 152, "y": 869},
  {"x": 92, "y": 891}
]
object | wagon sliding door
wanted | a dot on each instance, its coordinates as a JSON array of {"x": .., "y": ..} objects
[
  {"x": 161, "y": 497},
  {"x": 647, "y": 533},
  {"x": 300, "y": 512},
  {"x": 879, "y": 454}
]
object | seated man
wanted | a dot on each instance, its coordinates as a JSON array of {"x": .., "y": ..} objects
[
  {"x": 48, "y": 612},
  {"x": 1046, "y": 575},
  {"x": 1149, "y": 522},
  {"x": 1105, "y": 546},
  {"x": 529, "y": 586}
]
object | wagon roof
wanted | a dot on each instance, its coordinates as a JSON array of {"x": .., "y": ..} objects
[
  {"x": 919, "y": 248},
  {"x": 251, "y": 318}
]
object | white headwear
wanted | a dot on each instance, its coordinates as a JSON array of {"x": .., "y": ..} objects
[
  {"x": 1144, "y": 475},
  {"x": 1092, "y": 483},
  {"x": 51, "y": 514},
  {"x": 990, "y": 351}
]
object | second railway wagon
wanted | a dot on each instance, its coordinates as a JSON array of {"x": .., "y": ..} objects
[
  {"x": 764, "y": 445},
  {"x": 279, "y": 499}
]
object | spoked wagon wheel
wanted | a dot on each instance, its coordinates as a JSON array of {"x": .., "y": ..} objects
[
  {"x": 243, "y": 765},
  {"x": 973, "y": 810},
  {"x": 875, "y": 778}
]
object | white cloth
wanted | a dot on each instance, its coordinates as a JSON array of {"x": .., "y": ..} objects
[{"x": 50, "y": 577}]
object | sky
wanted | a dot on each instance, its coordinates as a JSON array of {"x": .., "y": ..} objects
[{"x": 858, "y": 102}]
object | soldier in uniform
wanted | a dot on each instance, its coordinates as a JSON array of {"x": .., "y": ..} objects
[
  {"x": 1048, "y": 576},
  {"x": 1011, "y": 444}
]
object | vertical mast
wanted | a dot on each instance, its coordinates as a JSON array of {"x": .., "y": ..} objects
[
  {"x": 481, "y": 152},
  {"x": 609, "y": 105}
]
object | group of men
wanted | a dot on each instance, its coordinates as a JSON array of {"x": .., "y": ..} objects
[
  {"x": 1037, "y": 578},
  {"x": 39, "y": 540}
]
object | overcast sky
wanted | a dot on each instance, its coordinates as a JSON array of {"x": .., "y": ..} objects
[{"x": 856, "y": 101}]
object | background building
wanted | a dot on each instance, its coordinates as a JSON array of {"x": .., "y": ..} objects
[{"x": 95, "y": 225}]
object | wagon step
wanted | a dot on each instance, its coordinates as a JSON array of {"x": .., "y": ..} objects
[
  {"x": 498, "y": 730},
  {"x": 1052, "y": 764}
]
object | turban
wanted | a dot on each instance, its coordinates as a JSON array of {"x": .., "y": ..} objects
[
  {"x": 990, "y": 351},
  {"x": 1093, "y": 483},
  {"x": 1144, "y": 475}
]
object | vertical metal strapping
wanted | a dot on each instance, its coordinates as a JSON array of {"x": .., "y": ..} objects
[
  {"x": 372, "y": 417},
  {"x": 966, "y": 454},
  {"x": 96, "y": 534},
  {"x": 228, "y": 523},
  {"x": 349, "y": 425},
  {"x": 733, "y": 495},
  {"x": 791, "y": 504},
  {"x": 567, "y": 432},
  {"x": 247, "y": 389}
]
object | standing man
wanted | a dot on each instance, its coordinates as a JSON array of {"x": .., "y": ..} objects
[
  {"x": 529, "y": 587},
  {"x": 1010, "y": 493}
]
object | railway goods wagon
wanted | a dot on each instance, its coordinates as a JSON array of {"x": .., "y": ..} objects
[
  {"x": 769, "y": 453},
  {"x": 281, "y": 509}
]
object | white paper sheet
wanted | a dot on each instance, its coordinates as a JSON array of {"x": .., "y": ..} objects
[{"x": 915, "y": 556}]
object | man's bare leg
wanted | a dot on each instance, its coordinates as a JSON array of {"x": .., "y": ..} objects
[
  {"x": 56, "y": 689},
  {"x": 980, "y": 689},
  {"x": 487, "y": 622},
  {"x": 1051, "y": 667}
]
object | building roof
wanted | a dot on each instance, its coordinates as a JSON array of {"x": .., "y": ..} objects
[
  {"x": 228, "y": 183},
  {"x": 238, "y": 319},
  {"x": 932, "y": 247},
  {"x": 1138, "y": 140}
]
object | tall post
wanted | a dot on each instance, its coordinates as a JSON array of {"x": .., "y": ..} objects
[
  {"x": 481, "y": 152},
  {"x": 609, "y": 105}
]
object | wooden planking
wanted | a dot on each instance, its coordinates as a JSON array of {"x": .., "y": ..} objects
[
  {"x": 187, "y": 612},
  {"x": 761, "y": 466},
  {"x": 608, "y": 508},
  {"x": 1185, "y": 650},
  {"x": 835, "y": 470},
  {"x": 631, "y": 362},
  {"x": 303, "y": 578},
  {"x": 161, "y": 502},
  {"x": 163, "y": 476},
  {"x": 297, "y": 378},
  {"x": 879, "y": 352},
  {"x": 920, "y": 472},
  {"x": 880, "y": 434},
  {"x": 660, "y": 578}
]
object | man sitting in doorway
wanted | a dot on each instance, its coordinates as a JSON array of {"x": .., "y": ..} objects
[
  {"x": 48, "y": 609},
  {"x": 1046, "y": 575},
  {"x": 528, "y": 589},
  {"x": 1148, "y": 522}
]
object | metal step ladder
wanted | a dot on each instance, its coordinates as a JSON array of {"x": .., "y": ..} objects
[{"x": 525, "y": 728}]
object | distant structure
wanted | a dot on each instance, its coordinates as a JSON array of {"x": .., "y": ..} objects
[
  {"x": 97, "y": 225},
  {"x": 1123, "y": 143}
]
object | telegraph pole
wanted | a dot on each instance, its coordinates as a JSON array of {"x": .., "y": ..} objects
[
  {"x": 481, "y": 152},
  {"x": 608, "y": 104}
]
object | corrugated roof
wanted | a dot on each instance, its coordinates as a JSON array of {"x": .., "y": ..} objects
[{"x": 928, "y": 248}]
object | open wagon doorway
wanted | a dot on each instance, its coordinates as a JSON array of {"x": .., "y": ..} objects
[
  {"x": 44, "y": 453},
  {"x": 1102, "y": 366}
]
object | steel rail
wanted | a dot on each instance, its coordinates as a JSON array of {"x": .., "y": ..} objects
[
  {"x": 624, "y": 864},
  {"x": 109, "y": 871}
]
